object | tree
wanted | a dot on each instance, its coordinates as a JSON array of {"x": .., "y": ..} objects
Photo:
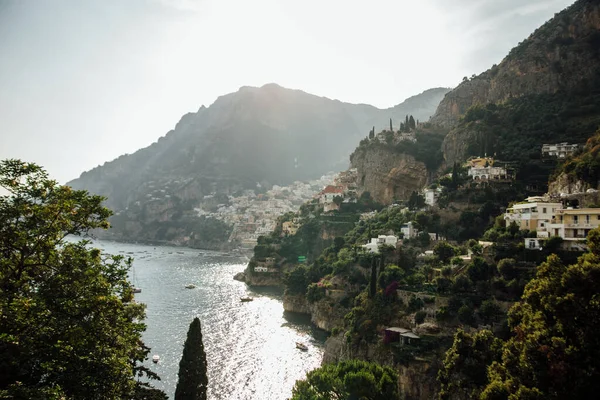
[
  {"x": 416, "y": 201},
  {"x": 353, "y": 379},
  {"x": 463, "y": 374},
  {"x": 444, "y": 251},
  {"x": 69, "y": 327},
  {"x": 391, "y": 127},
  {"x": 555, "y": 352},
  {"x": 193, "y": 381},
  {"x": 338, "y": 200},
  {"x": 411, "y": 122},
  {"x": 406, "y": 124}
]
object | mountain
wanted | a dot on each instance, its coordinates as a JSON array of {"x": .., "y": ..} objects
[
  {"x": 270, "y": 135},
  {"x": 546, "y": 90}
]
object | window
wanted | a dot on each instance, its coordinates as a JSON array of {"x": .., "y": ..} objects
[
  {"x": 587, "y": 219},
  {"x": 544, "y": 210},
  {"x": 575, "y": 219}
]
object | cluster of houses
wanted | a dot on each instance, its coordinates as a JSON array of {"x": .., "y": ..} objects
[
  {"x": 559, "y": 150},
  {"x": 483, "y": 169},
  {"x": 550, "y": 219},
  {"x": 343, "y": 190}
]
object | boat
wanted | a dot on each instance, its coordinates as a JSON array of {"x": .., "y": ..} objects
[
  {"x": 155, "y": 359},
  {"x": 137, "y": 290},
  {"x": 301, "y": 346},
  {"x": 245, "y": 299},
  {"x": 190, "y": 286}
]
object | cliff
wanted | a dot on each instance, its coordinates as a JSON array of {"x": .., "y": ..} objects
[
  {"x": 547, "y": 90},
  {"x": 325, "y": 314},
  {"x": 388, "y": 175},
  {"x": 561, "y": 55}
]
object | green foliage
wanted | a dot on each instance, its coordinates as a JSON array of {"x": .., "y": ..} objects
[
  {"x": 463, "y": 374},
  {"x": 554, "y": 354},
  {"x": 315, "y": 292},
  {"x": 585, "y": 166},
  {"x": 420, "y": 317},
  {"x": 69, "y": 327},
  {"x": 466, "y": 315},
  {"x": 348, "y": 380},
  {"x": 297, "y": 280},
  {"x": 392, "y": 273},
  {"x": 444, "y": 251},
  {"x": 193, "y": 379}
]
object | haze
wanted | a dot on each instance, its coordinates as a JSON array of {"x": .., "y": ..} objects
[{"x": 86, "y": 81}]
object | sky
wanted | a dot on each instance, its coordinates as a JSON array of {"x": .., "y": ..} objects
[{"x": 85, "y": 81}]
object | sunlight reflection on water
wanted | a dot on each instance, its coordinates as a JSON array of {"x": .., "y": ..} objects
[{"x": 250, "y": 346}]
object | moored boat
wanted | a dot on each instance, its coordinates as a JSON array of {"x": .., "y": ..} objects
[
  {"x": 301, "y": 346},
  {"x": 245, "y": 299},
  {"x": 190, "y": 286},
  {"x": 155, "y": 358}
]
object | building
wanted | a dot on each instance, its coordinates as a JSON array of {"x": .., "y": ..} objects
[
  {"x": 559, "y": 150},
  {"x": 431, "y": 196},
  {"x": 573, "y": 226},
  {"x": 373, "y": 246},
  {"x": 535, "y": 214},
  {"x": 409, "y": 231},
  {"x": 552, "y": 220},
  {"x": 329, "y": 193},
  {"x": 487, "y": 173}
]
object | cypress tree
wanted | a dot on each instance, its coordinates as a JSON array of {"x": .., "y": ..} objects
[
  {"x": 391, "y": 128},
  {"x": 412, "y": 123},
  {"x": 193, "y": 381},
  {"x": 406, "y": 124},
  {"x": 373, "y": 281}
]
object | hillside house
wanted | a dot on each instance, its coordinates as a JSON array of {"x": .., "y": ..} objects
[
  {"x": 329, "y": 193},
  {"x": 409, "y": 231},
  {"x": 534, "y": 215},
  {"x": 559, "y": 150},
  {"x": 431, "y": 196},
  {"x": 373, "y": 246}
]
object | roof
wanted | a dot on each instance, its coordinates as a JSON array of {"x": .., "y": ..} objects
[
  {"x": 398, "y": 330},
  {"x": 410, "y": 335},
  {"x": 333, "y": 189}
]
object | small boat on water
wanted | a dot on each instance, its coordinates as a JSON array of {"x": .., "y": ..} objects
[
  {"x": 155, "y": 359},
  {"x": 245, "y": 299},
  {"x": 137, "y": 290},
  {"x": 190, "y": 286},
  {"x": 301, "y": 346}
]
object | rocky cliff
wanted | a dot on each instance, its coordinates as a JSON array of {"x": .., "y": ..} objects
[
  {"x": 325, "y": 313},
  {"x": 562, "y": 55},
  {"x": 547, "y": 90},
  {"x": 387, "y": 174}
]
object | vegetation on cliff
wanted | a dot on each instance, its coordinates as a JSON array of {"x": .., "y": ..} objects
[
  {"x": 348, "y": 380},
  {"x": 69, "y": 327},
  {"x": 584, "y": 166},
  {"x": 553, "y": 350}
]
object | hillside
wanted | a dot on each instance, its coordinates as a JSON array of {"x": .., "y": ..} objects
[
  {"x": 268, "y": 135},
  {"x": 546, "y": 90}
]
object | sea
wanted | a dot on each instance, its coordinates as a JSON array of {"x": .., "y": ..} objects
[{"x": 250, "y": 346}]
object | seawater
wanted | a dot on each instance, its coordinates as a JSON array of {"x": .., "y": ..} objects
[{"x": 250, "y": 347}]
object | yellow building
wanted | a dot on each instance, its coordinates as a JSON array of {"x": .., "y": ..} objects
[{"x": 573, "y": 225}]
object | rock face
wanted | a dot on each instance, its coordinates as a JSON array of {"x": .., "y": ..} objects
[
  {"x": 388, "y": 175},
  {"x": 567, "y": 184},
  {"x": 296, "y": 303},
  {"x": 262, "y": 280},
  {"x": 325, "y": 313},
  {"x": 338, "y": 349},
  {"x": 561, "y": 55}
]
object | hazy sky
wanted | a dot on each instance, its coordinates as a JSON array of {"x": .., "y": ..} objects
[{"x": 84, "y": 81}]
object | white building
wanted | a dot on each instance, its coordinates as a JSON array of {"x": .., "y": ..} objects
[
  {"x": 559, "y": 150},
  {"x": 409, "y": 231},
  {"x": 431, "y": 196},
  {"x": 373, "y": 246},
  {"x": 487, "y": 173}
]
